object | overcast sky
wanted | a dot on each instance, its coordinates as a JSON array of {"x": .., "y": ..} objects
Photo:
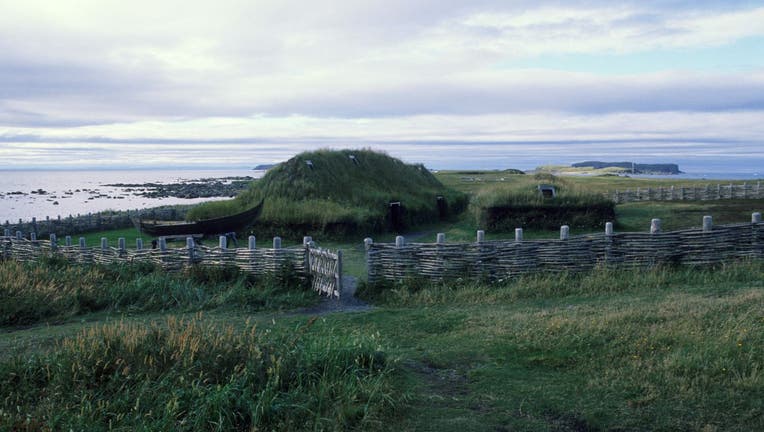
[{"x": 474, "y": 84}]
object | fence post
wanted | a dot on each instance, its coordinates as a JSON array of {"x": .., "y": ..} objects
[
  {"x": 758, "y": 248},
  {"x": 33, "y": 236},
  {"x": 68, "y": 240},
  {"x": 139, "y": 244},
  {"x": 190, "y": 248},
  {"x": 19, "y": 235},
  {"x": 53, "y": 244},
  {"x": 306, "y": 241},
  {"x": 655, "y": 226},
  {"x": 440, "y": 238},
  {"x": 708, "y": 223},
  {"x": 400, "y": 242},
  {"x": 82, "y": 243},
  {"x": 608, "y": 241},
  {"x": 480, "y": 236},
  {"x": 223, "y": 242},
  {"x": 276, "y": 257},
  {"x": 7, "y": 232},
  {"x": 104, "y": 243},
  {"x": 252, "y": 242},
  {"x": 162, "y": 244},
  {"x": 367, "y": 242},
  {"x": 121, "y": 245},
  {"x": 564, "y": 232},
  {"x": 518, "y": 235},
  {"x": 338, "y": 274}
]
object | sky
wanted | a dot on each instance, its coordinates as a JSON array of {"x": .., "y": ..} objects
[{"x": 452, "y": 84}]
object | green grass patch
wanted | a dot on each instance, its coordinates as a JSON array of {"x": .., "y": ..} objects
[
  {"x": 192, "y": 375},
  {"x": 611, "y": 349},
  {"x": 54, "y": 290},
  {"x": 663, "y": 349},
  {"x": 113, "y": 236}
]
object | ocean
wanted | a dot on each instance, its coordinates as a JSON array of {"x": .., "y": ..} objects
[{"x": 81, "y": 192}]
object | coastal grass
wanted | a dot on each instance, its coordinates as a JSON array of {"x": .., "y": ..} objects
[
  {"x": 54, "y": 290},
  {"x": 610, "y": 349},
  {"x": 190, "y": 375},
  {"x": 473, "y": 181}
]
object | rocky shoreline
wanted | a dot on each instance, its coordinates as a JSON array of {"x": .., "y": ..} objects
[{"x": 201, "y": 188}]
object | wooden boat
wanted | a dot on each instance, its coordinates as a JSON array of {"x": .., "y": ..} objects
[{"x": 221, "y": 225}]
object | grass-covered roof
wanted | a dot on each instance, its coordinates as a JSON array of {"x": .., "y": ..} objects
[{"x": 343, "y": 191}]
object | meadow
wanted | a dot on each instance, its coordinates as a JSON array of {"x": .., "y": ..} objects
[{"x": 613, "y": 349}]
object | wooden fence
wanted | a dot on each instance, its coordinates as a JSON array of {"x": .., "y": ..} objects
[
  {"x": 701, "y": 193},
  {"x": 101, "y": 221},
  {"x": 502, "y": 260},
  {"x": 323, "y": 267}
]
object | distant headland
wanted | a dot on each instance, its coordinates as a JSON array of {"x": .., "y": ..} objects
[{"x": 631, "y": 167}]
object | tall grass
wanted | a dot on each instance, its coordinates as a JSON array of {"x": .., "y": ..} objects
[
  {"x": 188, "y": 375},
  {"x": 613, "y": 349},
  {"x": 599, "y": 281},
  {"x": 54, "y": 290}
]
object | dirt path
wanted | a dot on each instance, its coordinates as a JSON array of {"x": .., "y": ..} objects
[{"x": 346, "y": 303}]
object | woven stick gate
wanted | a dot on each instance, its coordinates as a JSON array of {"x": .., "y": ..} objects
[
  {"x": 323, "y": 267},
  {"x": 501, "y": 260}
]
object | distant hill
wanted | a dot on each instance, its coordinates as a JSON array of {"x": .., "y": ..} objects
[{"x": 637, "y": 168}]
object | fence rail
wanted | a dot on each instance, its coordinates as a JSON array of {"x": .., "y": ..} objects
[
  {"x": 702, "y": 193},
  {"x": 323, "y": 267},
  {"x": 101, "y": 221},
  {"x": 501, "y": 260}
]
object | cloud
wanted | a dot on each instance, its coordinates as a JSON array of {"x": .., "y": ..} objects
[{"x": 281, "y": 76}]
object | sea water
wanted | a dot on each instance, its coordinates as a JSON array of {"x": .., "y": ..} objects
[{"x": 81, "y": 192}]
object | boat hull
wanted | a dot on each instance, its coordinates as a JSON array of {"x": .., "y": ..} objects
[{"x": 221, "y": 225}]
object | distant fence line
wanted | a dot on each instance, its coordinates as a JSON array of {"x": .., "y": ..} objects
[
  {"x": 702, "y": 193},
  {"x": 502, "y": 260},
  {"x": 323, "y": 267},
  {"x": 100, "y": 221}
]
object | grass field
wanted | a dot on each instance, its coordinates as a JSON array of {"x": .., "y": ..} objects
[
  {"x": 667, "y": 349},
  {"x": 115, "y": 348}
]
